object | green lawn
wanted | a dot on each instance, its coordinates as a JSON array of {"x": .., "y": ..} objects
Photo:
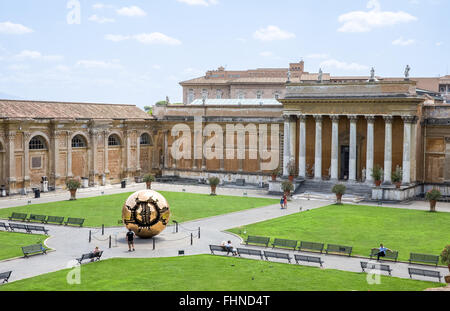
[
  {"x": 363, "y": 227},
  {"x": 107, "y": 209},
  {"x": 210, "y": 273},
  {"x": 11, "y": 243}
]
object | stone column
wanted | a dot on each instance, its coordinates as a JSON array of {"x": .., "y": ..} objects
[
  {"x": 388, "y": 150},
  {"x": 166, "y": 149},
  {"x": 54, "y": 155},
  {"x": 138, "y": 152},
  {"x": 302, "y": 147},
  {"x": 334, "y": 147},
  {"x": 447, "y": 160},
  {"x": 352, "y": 155},
  {"x": 407, "y": 125},
  {"x": 93, "y": 169},
  {"x": 203, "y": 153},
  {"x": 11, "y": 162},
  {"x": 69, "y": 154},
  {"x": 26, "y": 160},
  {"x": 105, "y": 153},
  {"x": 222, "y": 161},
  {"x": 318, "y": 149},
  {"x": 292, "y": 138},
  {"x": 286, "y": 145},
  {"x": 370, "y": 148},
  {"x": 128, "y": 169}
]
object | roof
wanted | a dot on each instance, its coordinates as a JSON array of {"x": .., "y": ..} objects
[
  {"x": 236, "y": 102},
  {"x": 20, "y": 109}
]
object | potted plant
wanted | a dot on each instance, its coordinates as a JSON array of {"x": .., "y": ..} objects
[
  {"x": 287, "y": 187},
  {"x": 275, "y": 173},
  {"x": 213, "y": 182},
  {"x": 397, "y": 176},
  {"x": 148, "y": 179},
  {"x": 433, "y": 195},
  {"x": 291, "y": 170},
  {"x": 339, "y": 190},
  {"x": 73, "y": 185},
  {"x": 377, "y": 174},
  {"x": 445, "y": 259}
]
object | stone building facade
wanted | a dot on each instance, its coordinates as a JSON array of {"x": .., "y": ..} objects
[{"x": 101, "y": 143}]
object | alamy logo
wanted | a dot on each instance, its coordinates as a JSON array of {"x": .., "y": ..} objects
[
  {"x": 74, "y": 275},
  {"x": 74, "y": 15}
]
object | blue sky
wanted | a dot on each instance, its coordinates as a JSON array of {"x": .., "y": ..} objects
[{"x": 137, "y": 51}]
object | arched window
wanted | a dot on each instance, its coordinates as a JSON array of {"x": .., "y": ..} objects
[
  {"x": 37, "y": 143},
  {"x": 113, "y": 140},
  {"x": 145, "y": 139},
  {"x": 78, "y": 142}
]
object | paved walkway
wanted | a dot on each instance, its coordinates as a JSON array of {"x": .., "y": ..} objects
[{"x": 70, "y": 243}]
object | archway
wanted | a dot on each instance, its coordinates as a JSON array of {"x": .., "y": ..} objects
[
  {"x": 115, "y": 157},
  {"x": 39, "y": 162},
  {"x": 80, "y": 157}
]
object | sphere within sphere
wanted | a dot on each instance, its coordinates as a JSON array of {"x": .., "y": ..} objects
[{"x": 146, "y": 213}]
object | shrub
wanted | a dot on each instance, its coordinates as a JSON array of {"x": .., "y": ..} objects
[
  {"x": 397, "y": 175},
  {"x": 276, "y": 172},
  {"x": 73, "y": 184},
  {"x": 377, "y": 172},
  {"x": 339, "y": 189},
  {"x": 433, "y": 194},
  {"x": 149, "y": 178},
  {"x": 214, "y": 181},
  {"x": 287, "y": 186},
  {"x": 445, "y": 255}
]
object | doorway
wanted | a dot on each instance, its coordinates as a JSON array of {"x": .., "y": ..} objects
[{"x": 345, "y": 159}]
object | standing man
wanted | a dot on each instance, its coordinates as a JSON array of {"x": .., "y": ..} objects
[{"x": 130, "y": 239}]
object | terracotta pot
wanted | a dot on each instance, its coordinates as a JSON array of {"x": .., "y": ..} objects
[
  {"x": 398, "y": 184},
  {"x": 338, "y": 198},
  {"x": 73, "y": 193},
  {"x": 213, "y": 189},
  {"x": 291, "y": 178},
  {"x": 432, "y": 205},
  {"x": 377, "y": 183},
  {"x": 274, "y": 177},
  {"x": 447, "y": 279},
  {"x": 149, "y": 185}
]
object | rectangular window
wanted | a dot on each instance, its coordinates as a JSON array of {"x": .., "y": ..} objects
[{"x": 36, "y": 162}]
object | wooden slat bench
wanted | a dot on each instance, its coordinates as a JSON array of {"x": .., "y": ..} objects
[
  {"x": 4, "y": 225},
  {"x": 311, "y": 247},
  {"x": 429, "y": 273},
  {"x": 14, "y": 227},
  {"x": 268, "y": 255},
  {"x": 424, "y": 258},
  {"x": 284, "y": 243},
  {"x": 339, "y": 249},
  {"x": 373, "y": 266},
  {"x": 55, "y": 220},
  {"x": 36, "y": 228},
  {"x": 218, "y": 248},
  {"x": 33, "y": 249},
  {"x": 74, "y": 222},
  {"x": 4, "y": 276},
  {"x": 251, "y": 239},
  {"x": 18, "y": 216},
  {"x": 308, "y": 259},
  {"x": 250, "y": 252},
  {"x": 90, "y": 256},
  {"x": 37, "y": 218},
  {"x": 389, "y": 254}
]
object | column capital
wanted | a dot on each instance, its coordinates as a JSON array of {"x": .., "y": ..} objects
[
  {"x": 10, "y": 135},
  {"x": 409, "y": 119},
  {"x": 352, "y": 117},
  {"x": 370, "y": 118},
  {"x": 388, "y": 118},
  {"x": 93, "y": 132},
  {"x": 318, "y": 117},
  {"x": 302, "y": 117},
  {"x": 69, "y": 133},
  {"x": 335, "y": 117},
  {"x": 27, "y": 135}
]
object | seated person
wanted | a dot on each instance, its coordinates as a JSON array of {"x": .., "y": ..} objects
[
  {"x": 95, "y": 253},
  {"x": 382, "y": 251},
  {"x": 230, "y": 248}
]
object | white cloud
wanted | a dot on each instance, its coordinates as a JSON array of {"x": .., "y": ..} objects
[
  {"x": 18, "y": 67},
  {"x": 98, "y": 6},
  {"x": 157, "y": 67},
  {"x": 266, "y": 54},
  {"x": 271, "y": 33},
  {"x": 317, "y": 56},
  {"x": 333, "y": 63},
  {"x": 35, "y": 55},
  {"x": 14, "y": 29},
  {"x": 439, "y": 43},
  {"x": 403, "y": 42},
  {"x": 364, "y": 21},
  {"x": 100, "y": 19},
  {"x": 146, "y": 38},
  {"x": 199, "y": 2},
  {"x": 131, "y": 11},
  {"x": 93, "y": 64}
]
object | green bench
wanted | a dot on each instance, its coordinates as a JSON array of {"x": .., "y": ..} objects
[
  {"x": 424, "y": 258},
  {"x": 33, "y": 249},
  {"x": 339, "y": 249},
  {"x": 311, "y": 247},
  {"x": 250, "y": 252},
  {"x": 74, "y": 221},
  {"x": 37, "y": 218},
  {"x": 251, "y": 239},
  {"x": 308, "y": 259},
  {"x": 373, "y": 266},
  {"x": 4, "y": 276},
  {"x": 284, "y": 243},
  {"x": 428, "y": 273},
  {"x": 268, "y": 255},
  {"x": 18, "y": 216},
  {"x": 389, "y": 254},
  {"x": 55, "y": 220}
]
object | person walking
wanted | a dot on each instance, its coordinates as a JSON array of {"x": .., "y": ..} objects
[
  {"x": 130, "y": 239},
  {"x": 285, "y": 202},
  {"x": 282, "y": 202}
]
